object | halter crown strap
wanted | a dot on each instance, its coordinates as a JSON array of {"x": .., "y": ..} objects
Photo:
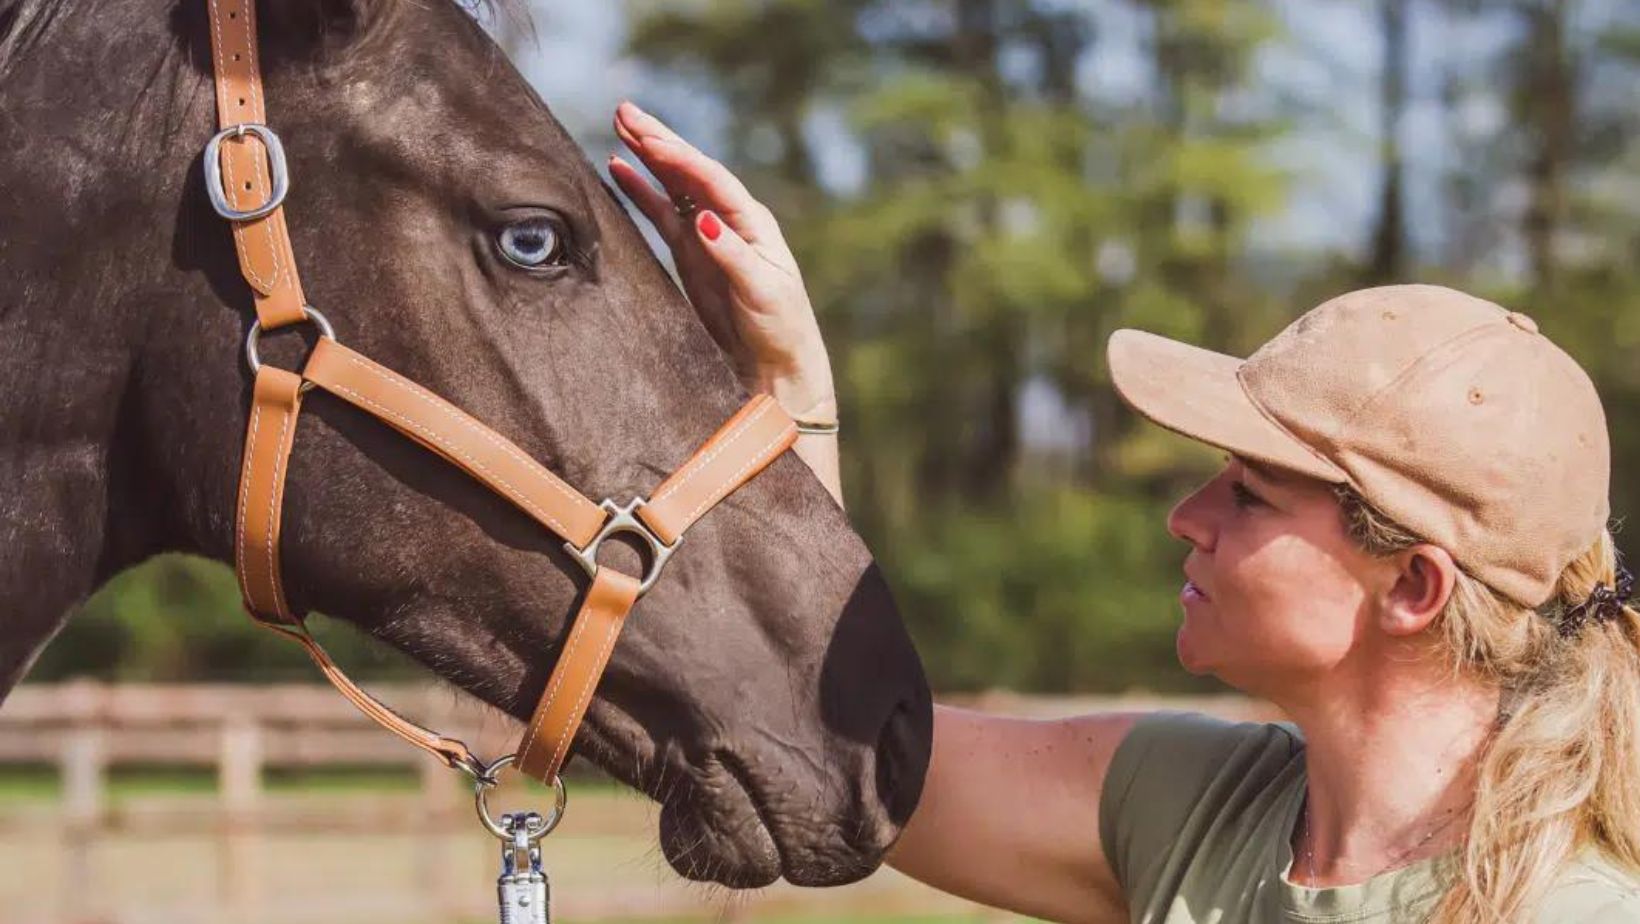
[
  {"x": 245, "y": 166},
  {"x": 246, "y": 179}
]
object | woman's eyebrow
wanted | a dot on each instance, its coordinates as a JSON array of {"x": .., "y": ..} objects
[{"x": 1265, "y": 473}]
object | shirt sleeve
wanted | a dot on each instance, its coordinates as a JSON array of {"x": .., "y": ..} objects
[
  {"x": 1591, "y": 891},
  {"x": 1170, "y": 779}
]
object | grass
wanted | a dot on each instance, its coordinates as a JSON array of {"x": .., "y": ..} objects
[
  {"x": 609, "y": 846},
  {"x": 23, "y": 784}
]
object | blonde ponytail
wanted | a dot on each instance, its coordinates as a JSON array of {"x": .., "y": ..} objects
[{"x": 1562, "y": 770}]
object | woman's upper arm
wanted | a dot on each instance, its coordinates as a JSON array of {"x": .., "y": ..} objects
[{"x": 1009, "y": 814}]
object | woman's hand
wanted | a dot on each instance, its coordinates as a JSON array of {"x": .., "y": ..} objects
[{"x": 738, "y": 273}]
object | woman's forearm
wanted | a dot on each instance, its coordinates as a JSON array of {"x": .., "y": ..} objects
[
  {"x": 820, "y": 452},
  {"x": 804, "y": 388}
]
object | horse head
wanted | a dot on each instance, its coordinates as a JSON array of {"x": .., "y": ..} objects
[{"x": 765, "y": 691}]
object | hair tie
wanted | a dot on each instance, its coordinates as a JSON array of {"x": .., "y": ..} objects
[{"x": 1603, "y": 604}]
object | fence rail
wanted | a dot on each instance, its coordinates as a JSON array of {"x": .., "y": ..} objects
[{"x": 86, "y": 729}]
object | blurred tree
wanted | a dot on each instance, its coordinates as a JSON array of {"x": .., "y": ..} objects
[
  {"x": 1007, "y": 222},
  {"x": 178, "y": 618},
  {"x": 1010, "y": 214},
  {"x": 1387, "y": 262}
]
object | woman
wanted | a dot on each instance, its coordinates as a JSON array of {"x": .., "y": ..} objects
[{"x": 1406, "y": 551}]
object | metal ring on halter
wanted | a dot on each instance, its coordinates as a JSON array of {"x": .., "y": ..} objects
[
  {"x": 475, "y": 768},
  {"x": 622, "y": 520},
  {"x": 485, "y": 782},
  {"x": 278, "y": 173},
  {"x": 254, "y": 359}
]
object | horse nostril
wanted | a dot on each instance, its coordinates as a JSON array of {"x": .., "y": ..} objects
[{"x": 902, "y": 758}]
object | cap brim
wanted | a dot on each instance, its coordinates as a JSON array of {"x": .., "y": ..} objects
[{"x": 1195, "y": 392}]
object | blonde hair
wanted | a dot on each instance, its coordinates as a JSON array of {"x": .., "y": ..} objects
[{"x": 1562, "y": 768}]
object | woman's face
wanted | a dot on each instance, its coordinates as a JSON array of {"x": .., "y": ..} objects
[{"x": 1277, "y": 592}]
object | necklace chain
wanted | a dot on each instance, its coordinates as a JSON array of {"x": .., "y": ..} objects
[{"x": 1309, "y": 842}]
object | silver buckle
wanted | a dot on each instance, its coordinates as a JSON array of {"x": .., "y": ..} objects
[
  {"x": 277, "y": 171},
  {"x": 622, "y": 520}
]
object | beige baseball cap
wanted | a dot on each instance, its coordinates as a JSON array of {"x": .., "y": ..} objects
[{"x": 1450, "y": 414}]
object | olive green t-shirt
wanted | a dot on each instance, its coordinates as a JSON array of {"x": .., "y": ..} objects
[{"x": 1197, "y": 817}]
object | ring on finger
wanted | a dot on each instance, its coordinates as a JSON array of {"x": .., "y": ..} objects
[{"x": 685, "y": 206}]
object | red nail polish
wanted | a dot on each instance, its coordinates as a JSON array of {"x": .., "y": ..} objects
[{"x": 710, "y": 226}]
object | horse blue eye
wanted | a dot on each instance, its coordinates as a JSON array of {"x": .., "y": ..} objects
[{"x": 532, "y": 243}]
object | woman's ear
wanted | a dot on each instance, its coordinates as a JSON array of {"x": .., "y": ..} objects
[{"x": 1425, "y": 575}]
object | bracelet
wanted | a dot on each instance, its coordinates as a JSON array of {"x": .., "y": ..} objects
[{"x": 817, "y": 427}]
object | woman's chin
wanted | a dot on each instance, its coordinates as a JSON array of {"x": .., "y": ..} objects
[{"x": 1189, "y": 652}]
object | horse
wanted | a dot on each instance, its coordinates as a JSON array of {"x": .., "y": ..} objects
[{"x": 765, "y": 693}]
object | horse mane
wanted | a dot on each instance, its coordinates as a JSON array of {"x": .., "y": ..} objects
[
  {"x": 362, "y": 17},
  {"x": 25, "y": 22}
]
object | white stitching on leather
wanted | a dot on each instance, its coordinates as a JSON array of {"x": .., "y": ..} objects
[
  {"x": 695, "y": 465},
  {"x": 688, "y": 472},
  {"x": 255, "y": 68},
  {"x": 226, "y": 164},
  {"x": 723, "y": 489},
  {"x": 513, "y": 492},
  {"x": 461, "y": 417},
  {"x": 275, "y": 500},
  {"x": 244, "y": 496},
  {"x": 556, "y": 681},
  {"x": 586, "y": 691}
]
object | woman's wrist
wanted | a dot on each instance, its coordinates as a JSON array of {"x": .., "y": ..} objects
[
  {"x": 811, "y": 400},
  {"x": 803, "y": 387}
]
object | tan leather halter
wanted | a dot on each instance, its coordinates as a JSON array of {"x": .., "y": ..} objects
[{"x": 246, "y": 179}]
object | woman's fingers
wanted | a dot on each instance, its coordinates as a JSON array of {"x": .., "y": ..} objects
[
  {"x": 652, "y": 202},
  {"x": 730, "y": 252},
  {"x": 684, "y": 170}
]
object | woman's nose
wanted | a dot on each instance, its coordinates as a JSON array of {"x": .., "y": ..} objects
[{"x": 1191, "y": 519}]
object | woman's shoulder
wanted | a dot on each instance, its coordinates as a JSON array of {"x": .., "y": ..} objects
[
  {"x": 1183, "y": 750},
  {"x": 1178, "y": 731},
  {"x": 1592, "y": 889},
  {"x": 1177, "y": 772}
]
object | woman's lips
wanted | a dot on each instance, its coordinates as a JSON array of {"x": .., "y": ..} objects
[{"x": 1191, "y": 593}]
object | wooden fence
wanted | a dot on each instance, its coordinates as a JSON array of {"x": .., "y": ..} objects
[{"x": 85, "y": 729}]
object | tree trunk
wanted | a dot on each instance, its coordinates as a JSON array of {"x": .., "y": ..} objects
[{"x": 1388, "y": 260}]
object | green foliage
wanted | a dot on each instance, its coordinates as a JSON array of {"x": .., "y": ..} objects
[
  {"x": 178, "y": 618},
  {"x": 1026, "y": 596},
  {"x": 1008, "y": 220}
]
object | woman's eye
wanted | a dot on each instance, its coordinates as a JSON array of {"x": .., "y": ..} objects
[
  {"x": 532, "y": 243},
  {"x": 1242, "y": 496}
]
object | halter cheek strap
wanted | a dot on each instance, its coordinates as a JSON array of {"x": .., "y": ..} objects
[{"x": 247, "y": 179}]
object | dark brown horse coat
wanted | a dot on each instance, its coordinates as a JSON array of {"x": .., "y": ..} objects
[{"x": 765, "y": 691}]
